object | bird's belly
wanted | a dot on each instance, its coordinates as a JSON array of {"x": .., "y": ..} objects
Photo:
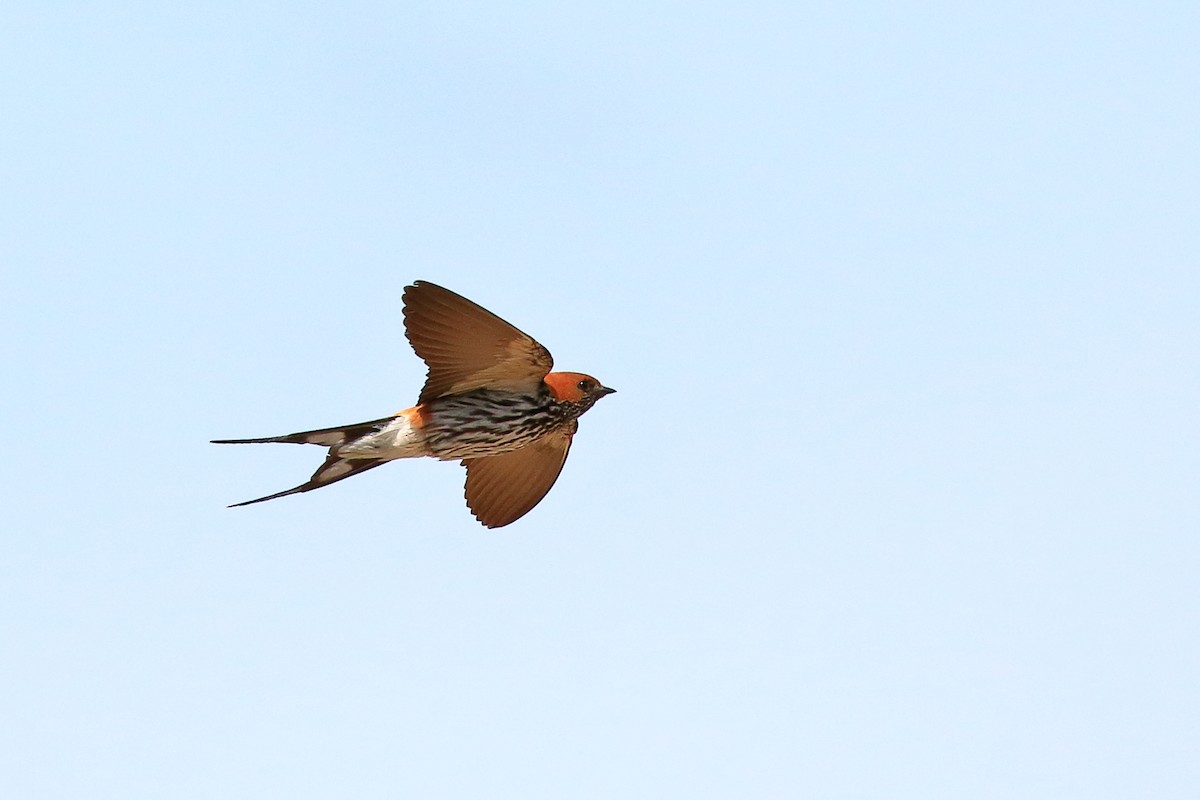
[{"x": 485, "y": 423}]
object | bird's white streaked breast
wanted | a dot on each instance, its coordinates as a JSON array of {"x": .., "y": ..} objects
[{"x": 486, "y": 422}]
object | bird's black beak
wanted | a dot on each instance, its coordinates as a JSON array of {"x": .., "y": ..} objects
[{"x": 603, "y": 390}]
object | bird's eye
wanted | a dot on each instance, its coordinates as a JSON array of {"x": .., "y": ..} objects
[{"x": 584, "y": 385}]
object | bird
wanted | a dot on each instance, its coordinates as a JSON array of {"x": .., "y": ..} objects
[{"x": 490, "y": 401}]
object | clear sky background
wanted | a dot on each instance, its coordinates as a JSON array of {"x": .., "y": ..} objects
[{"x": 898, "y": 497}]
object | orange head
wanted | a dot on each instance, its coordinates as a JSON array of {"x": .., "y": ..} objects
[{"x": 576, "y": 388}]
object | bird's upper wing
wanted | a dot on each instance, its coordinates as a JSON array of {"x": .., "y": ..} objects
[
  {"x": 502, "y": 489},
  {"x": 466, "y": 346}
]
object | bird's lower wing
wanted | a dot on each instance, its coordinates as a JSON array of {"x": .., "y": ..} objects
[{"x": 502, "y": 489}]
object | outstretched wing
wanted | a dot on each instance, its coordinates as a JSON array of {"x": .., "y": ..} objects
[
  {"x": 502, "y": 489},
  {"x": 466, "y": 346}
]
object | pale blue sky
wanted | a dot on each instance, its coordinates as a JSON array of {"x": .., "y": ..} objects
[{"x": 898, "y": 498}]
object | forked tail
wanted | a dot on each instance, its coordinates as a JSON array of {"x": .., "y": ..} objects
[
  {"x": 335, "y": 467},
  {"x": 326, "y": 437},
  {"x": 333, "y": 470}
]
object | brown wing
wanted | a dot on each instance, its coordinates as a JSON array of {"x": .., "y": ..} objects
[
  {"x": 466, "y": 346},
  {"x": 502, "y": 489}
]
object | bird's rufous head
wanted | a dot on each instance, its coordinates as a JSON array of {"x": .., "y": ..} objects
[{"x": 575, "y": 387}]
